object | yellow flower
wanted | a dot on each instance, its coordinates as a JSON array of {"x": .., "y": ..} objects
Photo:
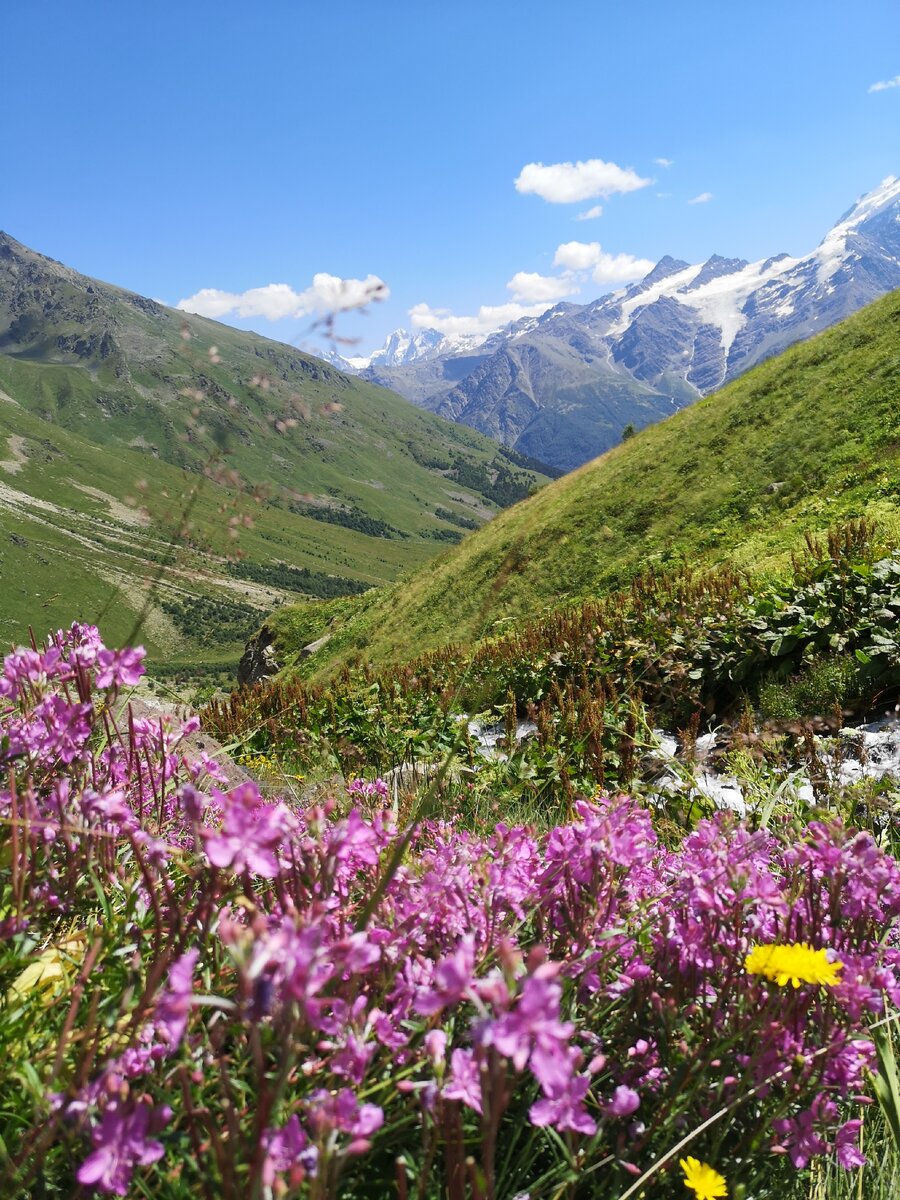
[
  {"x": 704, "y": 1182},
  {"x": 795, "y": 964}
]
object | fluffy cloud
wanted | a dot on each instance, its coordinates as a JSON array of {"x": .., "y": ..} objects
[
  {"x": 591, "y": 214},
  {"x": 489, "y": 317},
  {"x": 604, "y": 268},
  {"x": 276, "y": 301},
  {"x": 577, "y": 256},
  {"x": 703, "y": 198},
  {"x": 531, "y": 288},
  {"x": 883, "y": 84},
  {"x": 567, "y": 183},
  {"x": 620, "y": 268},
  {"x": 664, "y": 162}
]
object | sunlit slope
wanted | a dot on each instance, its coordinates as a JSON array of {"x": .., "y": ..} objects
[
  {"x": 799, "y": 442},
  {"x": 107, "y": 396}
]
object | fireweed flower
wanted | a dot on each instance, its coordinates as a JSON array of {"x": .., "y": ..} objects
[
  {"x": 705, "y": 1182},
  {"x": 121, "y": 1143},
  {"x": 251, "y": 832},
  {"x": 505, "y": 960},
  {"x": 795, "y": 964},
  {"x": 288, "y": 1150},
  {"x": 120, "y": 668},
  {"x": 174, "y": 1005}
]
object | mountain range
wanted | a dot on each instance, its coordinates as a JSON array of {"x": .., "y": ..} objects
[
  {"x": 562, "y": 387},
  {"x": 134, "y": 437},
  {"x": 798, "y": 444}
]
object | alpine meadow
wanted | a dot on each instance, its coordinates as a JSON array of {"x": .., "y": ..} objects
[{"x": 450, "y": 586}]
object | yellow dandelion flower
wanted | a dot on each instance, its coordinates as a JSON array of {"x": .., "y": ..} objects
[
  {"x": 795, "y": 964},
  {"x": 704, "y": 1181}
]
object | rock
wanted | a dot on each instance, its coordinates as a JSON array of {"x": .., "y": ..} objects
[
  {"x": 258, "y": 662},
  {"x": 310, "y": 649},
  {"x": 772, "y": 488},
  {"x": 192, "y": 746}
]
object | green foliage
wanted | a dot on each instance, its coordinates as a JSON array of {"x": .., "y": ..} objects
[
  {"x": 209, "y": 623},
  {"x": 445, "y": 514},
  {"x": 821, "y": 687},
  {"x": 593, "y": 679},
  {"x": 350, "y": 518},
  {"x": 496, "y": 481},
  {"x": 297, "y": 579}
]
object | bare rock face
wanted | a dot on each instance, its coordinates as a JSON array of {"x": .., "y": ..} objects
[{"x": 258, "y": 662}]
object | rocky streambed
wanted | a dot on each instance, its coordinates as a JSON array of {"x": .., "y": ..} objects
[{"x": 803, "y": 760}]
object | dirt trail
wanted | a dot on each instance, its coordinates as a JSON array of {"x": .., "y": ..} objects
[{"x": 16, "y": 445}]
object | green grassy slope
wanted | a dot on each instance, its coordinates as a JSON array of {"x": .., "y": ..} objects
[
  {"x": 104, "y": 390},
  {"x": 799, "y": 442}
]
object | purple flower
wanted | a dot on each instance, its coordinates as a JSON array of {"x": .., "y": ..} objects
[
  {"x": 564, "y": 1109},
  {"x": 120, "y": 668},
  {"x": 625, "y": 1101},
  {"x": 465, "y": 1080},
  {"x": 532, "y": 1033},
  {"x": 121, "y": 1143},
  {"x": 846, "y": 1144},
  {"x": 288, "y": 1150},
  {"x": 251, "y": 832},
  {"x": 174, "y": 1003},
  {"x": 452, "y": 978},
  {"x": 343, "y": 1112},
  {"x": 799, "y": 1136}
]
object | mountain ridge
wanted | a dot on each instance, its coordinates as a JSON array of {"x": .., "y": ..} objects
[
  {"x": 635, "y": 355},
  {"x": 112, "y": 406}
]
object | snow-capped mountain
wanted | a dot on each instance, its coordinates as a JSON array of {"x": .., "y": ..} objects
[
  {"x": 402, "y": 348},
  {"x": 561, "y": 387}
]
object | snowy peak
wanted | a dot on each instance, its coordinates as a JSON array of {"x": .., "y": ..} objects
[
  {"x": 884, "y": 196},
  {"x": 403, "y": 348},
  {"x": 561, "y": 386},
  {"x": 714, "y": 268},
  {"x": 877, "y": 213},
  {"x": 664, "y": 269}
]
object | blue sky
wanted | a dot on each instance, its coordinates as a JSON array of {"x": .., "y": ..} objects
[{"x": 176, "y": 147}]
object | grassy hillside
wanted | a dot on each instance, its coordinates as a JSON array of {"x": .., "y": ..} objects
[
  {"x": 107, "y": 397},
  {"x": 800, "y": 442}
]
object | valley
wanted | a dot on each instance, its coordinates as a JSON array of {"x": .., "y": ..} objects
[{"x": 450, "y": 602}]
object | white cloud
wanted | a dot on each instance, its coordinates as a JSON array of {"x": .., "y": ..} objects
[
  {"x": 276, "y": 301},
  {"x": 620, "y": 268},
  {"x": 567, "y": 183},
  {"x": 592, "y": 213},
  {"x": 883, "y": 84},
  {"x": 703, "y": 198},
  {"x": 604, "y": 268},
  {"x": 531, "y": 288},
  {"x": 577, "y": 256},
  {"x": 488, "y": 318},
  {"x": 664, "y": 162}
]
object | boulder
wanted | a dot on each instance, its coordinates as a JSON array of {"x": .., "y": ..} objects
[{"x": 258, "y": 662}]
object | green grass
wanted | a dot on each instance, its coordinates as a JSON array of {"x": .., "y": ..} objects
[
  {"x": 142, "y": 409},
  {"x": 798, "y": 444}
]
